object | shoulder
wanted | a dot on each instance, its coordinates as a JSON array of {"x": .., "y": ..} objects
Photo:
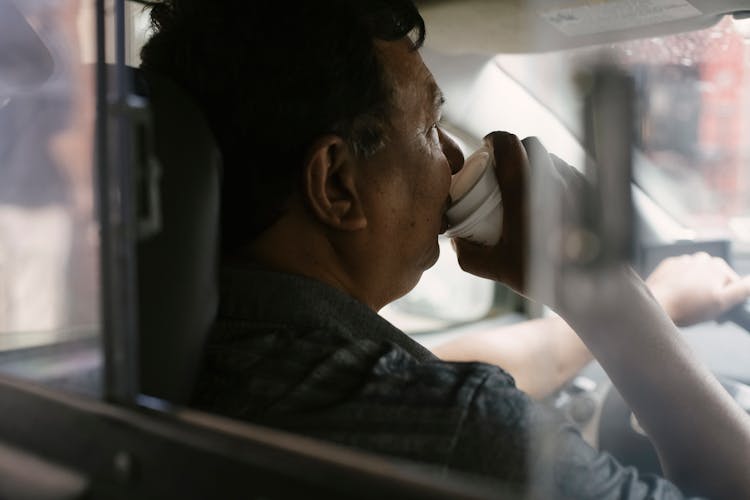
[{"x": 375, "y": 395}]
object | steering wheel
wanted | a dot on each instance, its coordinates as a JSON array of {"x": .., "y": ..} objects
[
  {"x": 606, "y": 421},
  {"x": 621, "y": 435},
  {"x": 739, "y": 315}
]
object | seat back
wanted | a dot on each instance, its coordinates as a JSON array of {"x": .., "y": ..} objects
[{"x": 177, "y": 264}]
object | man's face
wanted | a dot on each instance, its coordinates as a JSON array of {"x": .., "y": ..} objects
[{"x": 406, "y": 184}]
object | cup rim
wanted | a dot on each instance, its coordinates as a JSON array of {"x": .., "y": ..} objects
[
  {"x": 485, "y": 208},
  {"x": 473, "y": 158}
]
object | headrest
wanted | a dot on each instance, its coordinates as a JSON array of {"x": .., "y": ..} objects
[{"x": 178, "y": 262}]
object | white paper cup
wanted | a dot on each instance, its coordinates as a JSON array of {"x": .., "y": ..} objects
[{"x": 476, "y": 213}]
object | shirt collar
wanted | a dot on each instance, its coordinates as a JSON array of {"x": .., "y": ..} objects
[{"x": 289, "y": 299}]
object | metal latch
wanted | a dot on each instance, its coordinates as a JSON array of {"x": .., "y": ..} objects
[{"x": 146, "y": 167}]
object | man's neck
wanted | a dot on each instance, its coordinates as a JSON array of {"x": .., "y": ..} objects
[{"x": 299, "y": 249}]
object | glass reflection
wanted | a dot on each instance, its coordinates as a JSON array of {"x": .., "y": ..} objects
[{"x": 48, "y": 236}]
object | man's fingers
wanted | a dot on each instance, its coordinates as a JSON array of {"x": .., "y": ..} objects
[
  {"x": 510, "y": 157},
  {"x": 511, "y": 161},
  {"x": 511, "y": 169}
]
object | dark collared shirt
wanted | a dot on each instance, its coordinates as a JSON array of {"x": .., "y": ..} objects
[{"x": 295, "y": 354}]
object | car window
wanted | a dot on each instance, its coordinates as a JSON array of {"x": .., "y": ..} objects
[
  {"x": 49, "y": 292},
  {"x": 692, "y": 164},
  {"x": 446, "y": 296},
  {"x": 481, "y": 97},
  {"x": 693, "y": 117},
  {"x": 691, "y": 157}
]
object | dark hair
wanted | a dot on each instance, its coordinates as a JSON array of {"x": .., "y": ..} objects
[{"x": 273, "y": 76}]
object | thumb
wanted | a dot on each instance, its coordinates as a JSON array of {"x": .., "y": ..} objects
[
  {"x": 735, "y": 292},
  {"x": 473, "y": 257}
]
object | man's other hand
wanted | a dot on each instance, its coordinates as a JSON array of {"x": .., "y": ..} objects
[{"x": 698, "y": 287}]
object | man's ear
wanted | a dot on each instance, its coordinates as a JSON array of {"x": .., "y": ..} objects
[{"x": 330, "y": 184}]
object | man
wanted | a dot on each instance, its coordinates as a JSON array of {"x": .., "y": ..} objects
[{"x": 335, "y": 186}]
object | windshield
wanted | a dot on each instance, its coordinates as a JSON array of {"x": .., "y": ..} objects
[
  {"x": 693, "y": 112},
  {"x": 694, "y": 107},
  {"x": 690, "y": 159}
]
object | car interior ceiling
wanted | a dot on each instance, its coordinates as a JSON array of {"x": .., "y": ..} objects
[{"x": 516, "y": 26}]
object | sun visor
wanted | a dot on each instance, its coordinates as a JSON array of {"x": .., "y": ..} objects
[{"x": 522, "y": 26}]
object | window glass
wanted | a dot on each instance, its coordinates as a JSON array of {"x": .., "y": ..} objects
[
  {"x": 48, "y": 234},
  {"x": 693, "y": 112},
  {"x": 693, "y": 115},
  {"x": 138, "y": 31},
  {"x": 694, "y": 123},
  {"x": 481, "y": 98},
  {"x": 443, "y": 297}
]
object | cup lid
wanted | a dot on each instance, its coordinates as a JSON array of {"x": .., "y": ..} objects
[{"x": 472, "y": 170}]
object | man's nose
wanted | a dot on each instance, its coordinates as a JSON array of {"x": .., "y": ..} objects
[{"x": 451, "y": 151}]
